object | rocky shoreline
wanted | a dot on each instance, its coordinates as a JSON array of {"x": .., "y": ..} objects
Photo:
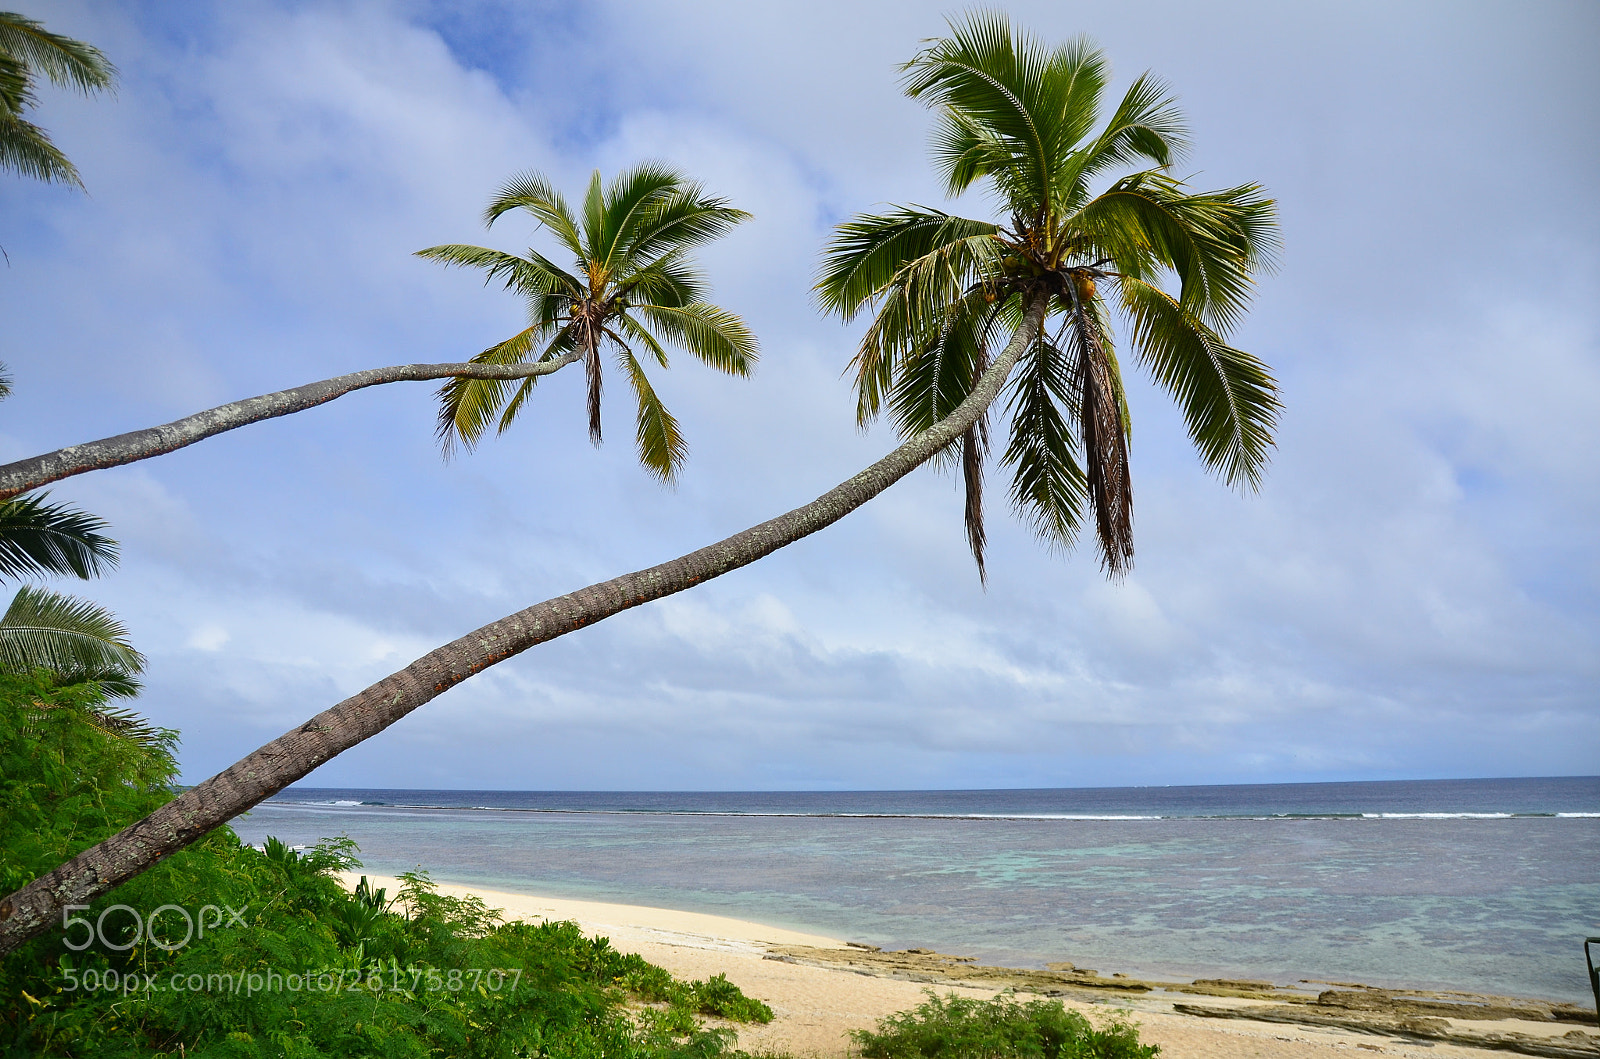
[{"x": 1511, "y": 1024}]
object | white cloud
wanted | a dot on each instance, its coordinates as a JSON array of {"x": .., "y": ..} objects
[{"x": 1412, "y": 593}]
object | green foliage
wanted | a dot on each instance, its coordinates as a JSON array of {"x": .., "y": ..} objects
[
  {"x": 955, "y": 1027},
  {"x": 263, "y": 953},
  {"x": 27, "y": 49},
  {"x": 77, "y": 640},
  {"x": 38, "y": 538},
  {"x": 632, "y": 288},
  {"x": 66, "y": 781},
  {"x": 1025, "y": 118}
]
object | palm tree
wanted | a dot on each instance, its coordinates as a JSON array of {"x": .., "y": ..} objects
[
  {"x": 1011, "y": 135},
  {"x": 27, "y": 49},
  {"x": 1024, "y": 118},
  {"x": 632, "y": 285}
]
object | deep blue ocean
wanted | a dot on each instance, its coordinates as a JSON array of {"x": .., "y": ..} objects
[{"x": 1481, "y": 885}]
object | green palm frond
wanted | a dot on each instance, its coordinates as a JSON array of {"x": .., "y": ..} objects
[
  {"x": 662, "y": 448},
  {"x": 39, "y": 538},
  {"x": 66, "y": 62},
  {"x": 1230, "y": 403},
  {"x": 1146, "y": 127},
  {"x": 592, "y": 222},
  {"x": 869, "y": 252},
  {"x": 27, "y": 49},
  {"x": 669, "y": 280},
  {"x": 632, "y": 282},
  {"x": 1010, "y": 109},
  {"x": 75, "y": 639},
  {"x": 937, "y": 373},
  {"x": 630, "y": 204},
  {"x": 532, "y": 192},
  {"x": 915, "y": 263},
  {"x": 467, "y": 406},
  {"x": 680, "y": 221},
  {"x": 1213, "y": 242},
  {"x": 641, "y": 334},
  {"x": 28, "y": 149},
  {"x": 1025, "y": 119},
  {"x": 716, "y": 336},
  {"x": 533, "y": 274},
  {"x": 1048, "y": 485}
]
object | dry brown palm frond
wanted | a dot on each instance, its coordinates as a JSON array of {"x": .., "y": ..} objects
[{"x": 1105, "y": 443}]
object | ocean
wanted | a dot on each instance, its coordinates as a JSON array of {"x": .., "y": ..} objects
[{"x": 1477, "y": 885}]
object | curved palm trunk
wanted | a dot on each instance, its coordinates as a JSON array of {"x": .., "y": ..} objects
[
  {"x": 34, "y": 908},
  {"x": 138, "y": 445}
]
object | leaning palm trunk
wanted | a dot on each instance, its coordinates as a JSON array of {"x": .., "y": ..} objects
[
  {"x": 138, "y": 445},
  {"x": 34, "y": 908}
]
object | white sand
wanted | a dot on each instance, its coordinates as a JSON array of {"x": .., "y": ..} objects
[{"x": 817, "y": 1007}]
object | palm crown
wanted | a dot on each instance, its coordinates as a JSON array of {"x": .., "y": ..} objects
[
  {"x": 1025, "y": 118},
  {"x": 633, "y": 288}
]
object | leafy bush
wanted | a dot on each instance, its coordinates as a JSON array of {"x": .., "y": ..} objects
[
  {"x": 955, "y": 1027},
  {"x": 423, "y": 974}
]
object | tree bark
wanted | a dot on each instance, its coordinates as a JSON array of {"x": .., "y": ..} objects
[
  {"x": 35, "y": 471},
  {"x": 33, "y": 909}
]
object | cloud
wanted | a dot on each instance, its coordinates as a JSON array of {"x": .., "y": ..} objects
[{"x": 1413, "y": 592}]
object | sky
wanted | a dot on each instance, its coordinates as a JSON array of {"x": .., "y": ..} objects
[{"x": 1414, "y": 592}]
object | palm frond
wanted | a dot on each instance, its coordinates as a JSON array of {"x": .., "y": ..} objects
[
  {"x": 670, "y": 280},
  {"x": 662, "y": 448},
  {"x": 533, "y": 192},
  {"x": 39, "y": 538},
  {"x": 868, "y": 252},
  {"x": 914, "y": 263},
  {"x": 467, "y": 406},
  {"x": 1010, "y": 109},
  {"x": 1215, "y": 241},
  {"x": 592, "y": 223},
  {"x": 633, "y": 196},
  {"x": 27, "y": 149},
  {"x": 66, "y": 62},
  {"x": 1048, "y": 485},
  {"x": 716, "y": 336},
  {"x": 937, "y": 373},
  {"x": 1229, "y": 399},
  {"x": 73, "y": 638},
  {"x": 680, "y": 221},
  {"x": 1096, "y": 392},
  {"x": 115, "y": 685},
  {"x": 1147, "y": 126},
  {"x": 641, "y": 334},
  {"x": 534, "y": 274},
  {"x": 974, "y": 452}
]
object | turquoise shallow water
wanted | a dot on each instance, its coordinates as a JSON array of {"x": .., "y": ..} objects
[{"x": 1486, "y": 886}]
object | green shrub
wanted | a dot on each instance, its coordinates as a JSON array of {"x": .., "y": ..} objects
[
  {"x": 954, "y": 1027},
  {"x": 720, "y": 997},
  {"x": 402, "y": 970}
]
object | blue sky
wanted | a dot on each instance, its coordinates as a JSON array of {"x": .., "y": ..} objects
[{"x": 1413, "y": 593}]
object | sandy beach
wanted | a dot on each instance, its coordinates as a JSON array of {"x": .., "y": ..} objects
[{"x": 819, "y": 992}]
